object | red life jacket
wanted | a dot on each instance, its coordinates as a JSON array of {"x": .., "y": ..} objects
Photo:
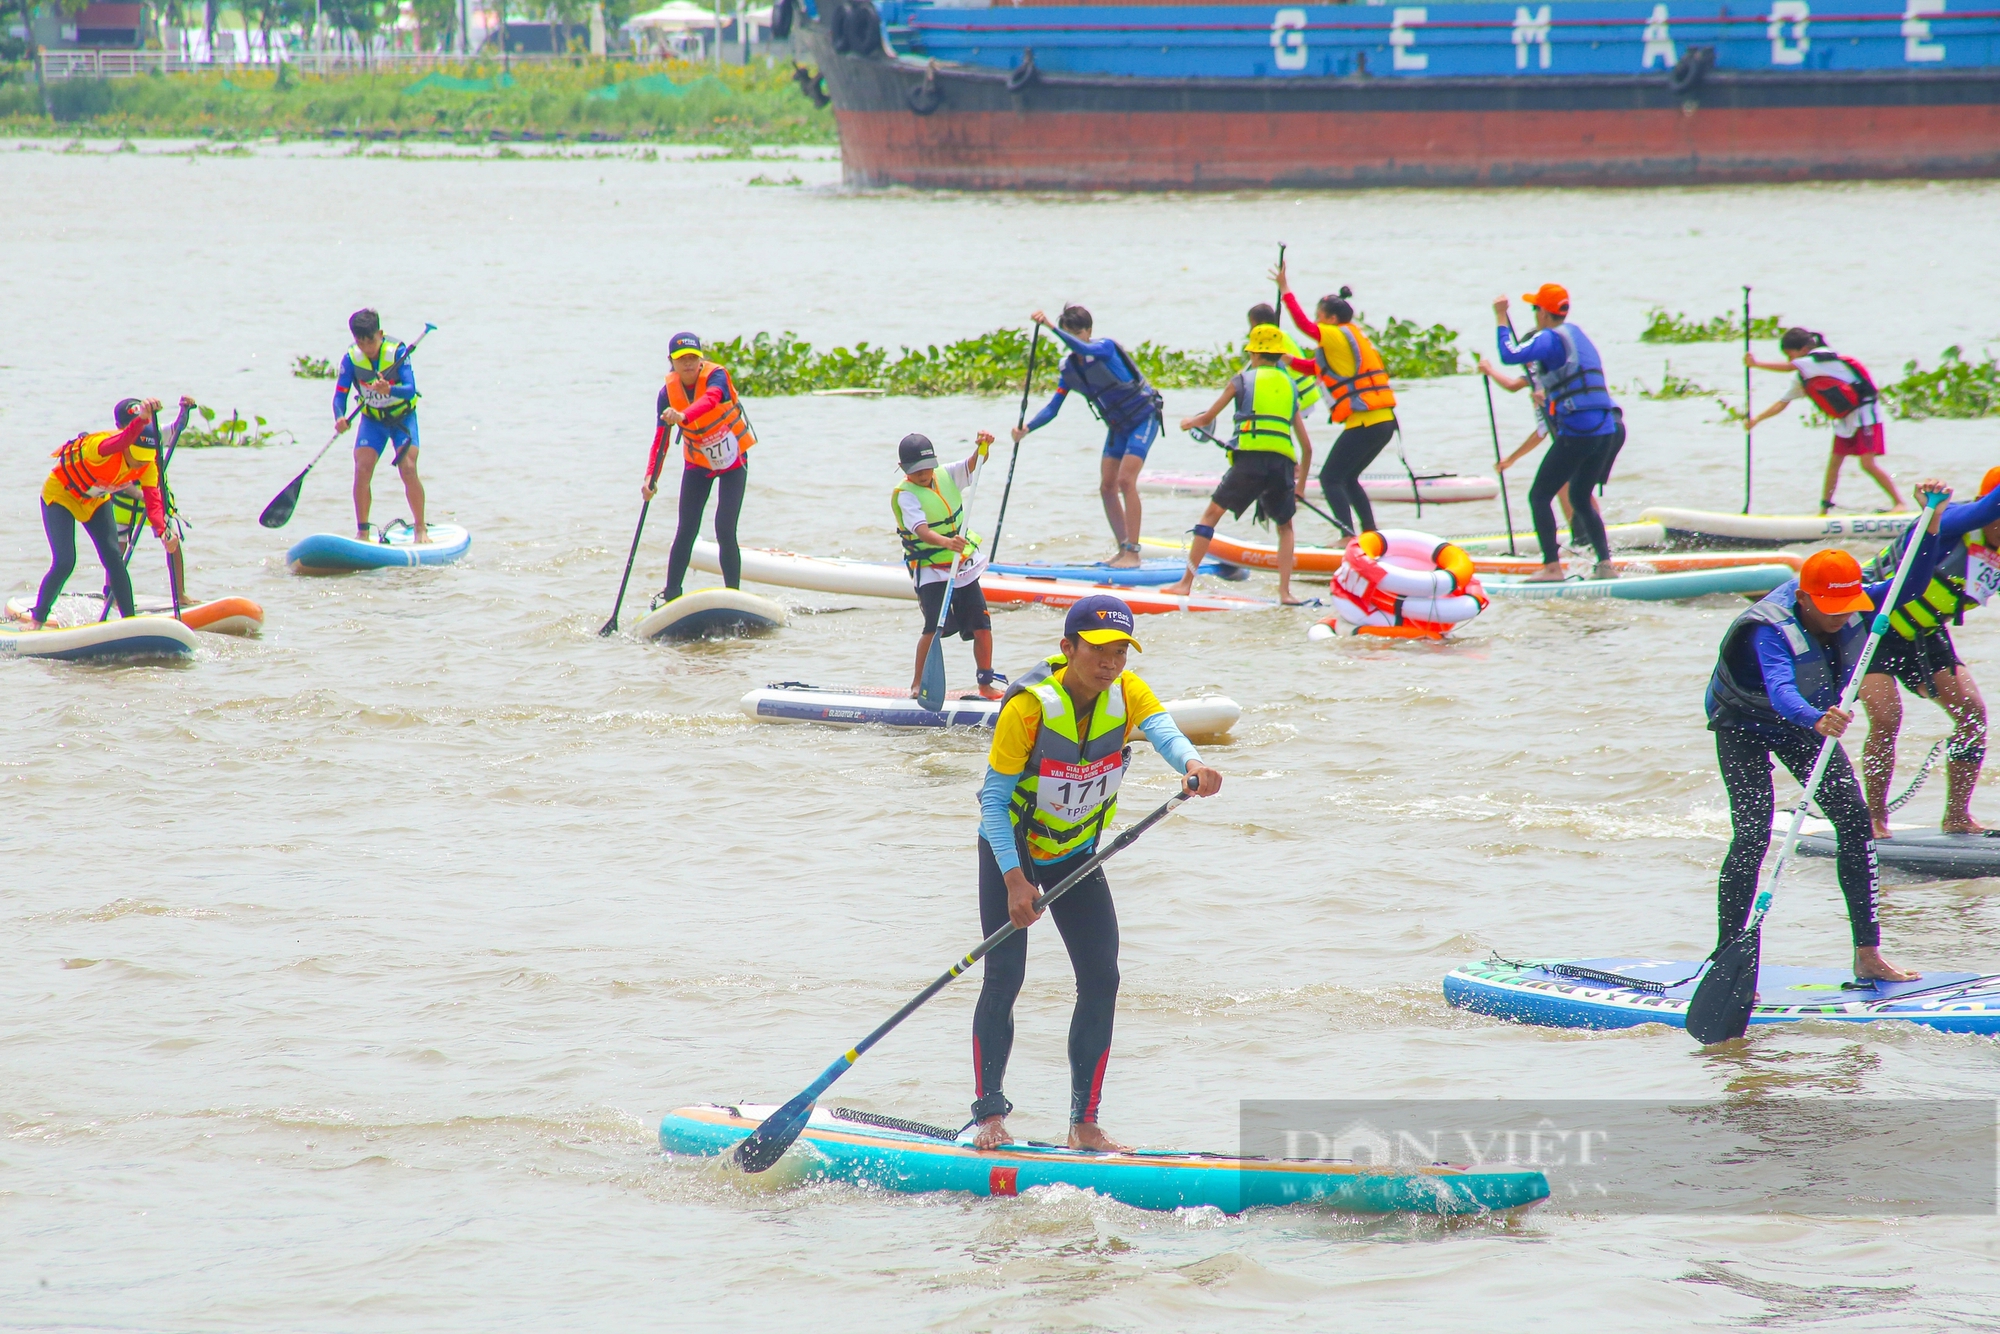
[{"x": 1833, "y": 393}]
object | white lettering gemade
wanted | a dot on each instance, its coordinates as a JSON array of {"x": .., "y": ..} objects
[
  {"x": 1659, "y": 41},
  {"x": 1530, "y": 30},
  {"x": 1917, "y": 44},
  {"x": 1402, "y": 40},
  {"x": 1793, "y": 51},
  {"x": 1288, "y": 39},
  {"x": 1072, "y": 791}
]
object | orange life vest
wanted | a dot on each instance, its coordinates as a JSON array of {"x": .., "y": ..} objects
[
  {"x": 92, "y": 478},
  {"x": 719, "y": 437},
  {"x": 1367, "y": 390}
]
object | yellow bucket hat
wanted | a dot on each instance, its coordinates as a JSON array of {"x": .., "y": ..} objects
[{"x": 1267, "y": 338}]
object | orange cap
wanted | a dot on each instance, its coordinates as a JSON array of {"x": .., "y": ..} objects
[
  {"x": 1832, "y": 579},
  {"x": 1990, "y": 481},
  {"x": 1552, "y": 297}
]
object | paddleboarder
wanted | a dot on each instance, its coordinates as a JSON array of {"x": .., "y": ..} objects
[
  {"x": 1359, "y": 398},
  {"x": 387, "y": 384},
  {"x": 1514, "y": 384},
  {"x": 1060, "y": 750},
  {"x": 929, "y": 509},
  {"x": 1566, "y": 370},
  {"x": 89, "y": 470},
  {"x": 1841, "y": 388},
  {"x": 1303, "y": 369},
  {"x": 1918, "y": 652},
  {"x": 1775, "y": 691},
  {"x": 1111, "y": 383},
  {"x": 1269, "y": 460},
  {"x": 701, "y": 399}
]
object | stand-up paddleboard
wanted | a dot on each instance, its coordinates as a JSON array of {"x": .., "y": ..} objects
[
  {"x": 1531, "y": 993},
  {"x": 893, "y": 1154},
  {"x": 223, "y": 616},
  {"x": 1325, "y": 560},
  {"x": 123, "y": 637},
  {"x": 839, "y": 706},
  {"x": 788, "y": 569},
  {"x": 331, "y": 553},
  {"x": 1146, "y": 574},
  {"x": 711, "y": 613},
  {"x": 1382, "y": 488},
  {"x": 1747, "y": 580},
  {"x": 1926, "y": 852},
  {"x": 1708, "y": 528},
  {"x": 1623, "y": 537}
]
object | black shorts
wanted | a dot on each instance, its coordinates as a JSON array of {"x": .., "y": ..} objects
[
  {"x": 1915, "y": 661},
  {"x": 1262, "y": 477},
  {"x": 968, "y": 609}
]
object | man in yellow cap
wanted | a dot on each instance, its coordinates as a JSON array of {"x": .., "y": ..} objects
[
  {"x": 1568, "y": 375},
  {"x": 1776, "y": 691},
  {"x": 1269, "y": 460},
  {"x": 1919, "y": 653},
  {"x": 1060, "y": 750}
]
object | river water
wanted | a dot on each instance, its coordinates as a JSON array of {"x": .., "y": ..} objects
[{"x": 349, "y": 970}]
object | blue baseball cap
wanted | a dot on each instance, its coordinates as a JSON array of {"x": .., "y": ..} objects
[
  {"x": 683, "y": 344},
  {"x": 1100, "y": 619}
]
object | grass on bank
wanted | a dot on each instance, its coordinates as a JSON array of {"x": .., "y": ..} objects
[
  {"x": 676, "y": 103},
  {"x": 993, "y": 363}
]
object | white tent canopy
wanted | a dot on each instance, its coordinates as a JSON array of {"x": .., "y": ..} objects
[{"x": 683, "y": 15}]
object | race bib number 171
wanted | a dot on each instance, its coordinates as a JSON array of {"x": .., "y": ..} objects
[{"x": 1071, "y": 792}]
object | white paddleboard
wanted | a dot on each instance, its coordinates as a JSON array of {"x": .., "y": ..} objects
[
  {"x": 711, "y": 613},
  {"x": 137, "y": 637},
  {"x": 796, "y": 702}
]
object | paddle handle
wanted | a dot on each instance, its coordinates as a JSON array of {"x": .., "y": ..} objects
[
  {"x": 1027, "y": 388},
  {"x": 1746, "y": 400},
  {"x": 1880, "y": 626},
  {"x": 1493, "y": 426}
]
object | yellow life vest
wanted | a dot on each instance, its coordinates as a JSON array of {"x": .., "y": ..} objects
[{"x": 1068, "y": 791}]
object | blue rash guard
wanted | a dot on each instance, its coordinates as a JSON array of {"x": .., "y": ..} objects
[
  {"x": 1959, "y": 522},
  {"x": 405, "y": 387},
  {"x": 1104, "y": 349},
  {"x": 1774, "y": 656},
  {"x": 1547, "y": 352},
  {"x": 998, "y": 790}
]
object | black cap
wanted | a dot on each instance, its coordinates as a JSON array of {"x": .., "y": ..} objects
[{"x": 916, "y": 453}]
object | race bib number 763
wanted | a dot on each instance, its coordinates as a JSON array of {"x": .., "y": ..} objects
[{"x": 1982, "y": 574}]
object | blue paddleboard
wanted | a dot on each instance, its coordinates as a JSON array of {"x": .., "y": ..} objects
[
  {"x": 331, "y": 553},
  {"x": 1531, "y": 993},
  {"x": 892, "y": 1154}
]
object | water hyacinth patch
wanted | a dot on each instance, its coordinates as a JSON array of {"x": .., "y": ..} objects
[
  {"x": 312, "y": 368},
  {"x": 1955, "y": 388},
  {"x": 1678, "y": 328},
  {"x": 234, "y": 433}
]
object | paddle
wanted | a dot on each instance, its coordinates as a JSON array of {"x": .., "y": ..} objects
[
  {"x": 1027, "y": 387},
  {"x": 652, "y": 480},
  {"x": 768, "y": 1142},
  {"x": 1223, "y": 445},
  {"x": 1746, "y": 400},
  {"x": 1493, "y": 425},
  {"x": 279, "y": 512},
  {"x": 1720, "y": 1009},
  {"x": 930, "y": 691}
]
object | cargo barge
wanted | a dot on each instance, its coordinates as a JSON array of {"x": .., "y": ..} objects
[{"x": 1177, "y": 97}]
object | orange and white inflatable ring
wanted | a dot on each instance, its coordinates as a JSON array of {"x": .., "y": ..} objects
[{"x": 1402, "y": 584}]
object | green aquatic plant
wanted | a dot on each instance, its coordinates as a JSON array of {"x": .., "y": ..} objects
[
  {"x": 1674, "y": 386},
  {"x": 1955, "y": 388},
  {"x": 312, "y": 368},
  {"x": 1412, "y": 352},
  {"x": 1678, "y": 328},
  {"x": 235, "y": 433},
  {"x": 761, "y": 179}
]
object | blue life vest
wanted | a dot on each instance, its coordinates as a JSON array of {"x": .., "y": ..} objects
[
  {"x": 1119, "y": 404},
  {"x": 1732, "y": 702},
  {"x": 1578, "y": 384}
]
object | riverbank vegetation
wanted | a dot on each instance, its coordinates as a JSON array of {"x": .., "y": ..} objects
[
  {"x": 596, "y": 101},
  {"x": 994, "y": 363}
]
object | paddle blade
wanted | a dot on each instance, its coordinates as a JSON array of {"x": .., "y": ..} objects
[
  {"x": 279, "y": 512},
  {"x": 930, "y": 693},
  {"x": 768, "y": 1142},
  {"x": 1720, "y": 1010},
  {"x": 609, "y": 628}
]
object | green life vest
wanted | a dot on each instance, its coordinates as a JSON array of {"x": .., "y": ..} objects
[
  {"x": 944, "y": 512},
  {"x": 1944, "y": 597},
  {"x": 1068, "y": 791},
  {"x": 379, "y": 406},
  {"x": 1266, "y": 402}
]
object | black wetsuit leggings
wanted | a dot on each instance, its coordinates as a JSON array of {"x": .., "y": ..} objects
[
  {"x": 1340, "y": 478},
  {"x": 1746, "y": 773},
  {"x": 695, "y": 485},
  {"x": 1575, "y": 461},
  {"x": 102, "y": 526},
  {"x": 1088, "y": 923}
]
